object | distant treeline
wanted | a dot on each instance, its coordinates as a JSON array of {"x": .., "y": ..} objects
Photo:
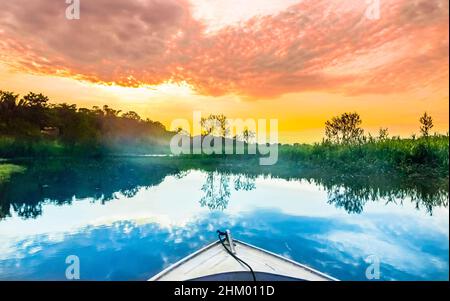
[
  {"x": 31, "y": 126},
  {"x": 347, "y": 148}
]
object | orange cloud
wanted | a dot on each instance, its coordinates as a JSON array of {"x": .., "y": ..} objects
[{"x": 315, "y": 45}]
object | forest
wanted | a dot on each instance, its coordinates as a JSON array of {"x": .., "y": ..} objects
[{"x": 32, "y": 126}]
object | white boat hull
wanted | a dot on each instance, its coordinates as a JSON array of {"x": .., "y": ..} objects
[{"x": 213, "y": 262}]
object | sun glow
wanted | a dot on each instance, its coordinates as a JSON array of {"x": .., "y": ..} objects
[
  {"x": 168, "y": 88},
  {"x": 172, "y": 89}
]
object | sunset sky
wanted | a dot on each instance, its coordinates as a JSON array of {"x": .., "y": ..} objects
[{"x": 299, "y": 61}]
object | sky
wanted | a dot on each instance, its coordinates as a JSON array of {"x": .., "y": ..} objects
[{"x": 299, "y": 61}]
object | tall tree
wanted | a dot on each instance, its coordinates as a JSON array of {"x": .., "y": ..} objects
[
  {"x": 383, "y": 134},
  {"x": 131, "y": 115},
  {"x": 8, "y": 103},
  {"x": 426, "y": 124},
  {"x": 247, "y": 135},
  {"x": 215, "y": 125},
  {"x": 344, "y": 129},
  {"x": 35, "y": 100}
]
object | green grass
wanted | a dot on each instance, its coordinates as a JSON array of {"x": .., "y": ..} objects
[
  {"x": 13, "y": 148},
  {"x": 413, "y": 157},
  {"x": 44, "y": 148},
  {"x": 400, "y": 155},
  {"x": 6, "y": 170}
]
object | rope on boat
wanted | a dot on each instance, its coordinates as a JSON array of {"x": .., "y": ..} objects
[{"x": 220, "y": 235}]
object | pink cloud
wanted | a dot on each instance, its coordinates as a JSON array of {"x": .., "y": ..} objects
[{"x": 314, "y": 45}]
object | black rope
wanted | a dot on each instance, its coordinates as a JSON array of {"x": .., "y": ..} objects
[{"x": 220, "y": 234}]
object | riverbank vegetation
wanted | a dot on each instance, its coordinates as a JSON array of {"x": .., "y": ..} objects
[
  {"x": 7, "y": 170},
  {"x": 412, "y": 155},
  {"x": 31, "y": 126},
  {"x": 346, "y": 148}
]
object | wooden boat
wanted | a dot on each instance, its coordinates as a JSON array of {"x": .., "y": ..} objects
[{"x": 234, "y": 260}]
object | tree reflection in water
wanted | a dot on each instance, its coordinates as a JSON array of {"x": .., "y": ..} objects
[
  {"x": 62, "y": 181},
  {"x": 217, "y": 189},
  {"x": 244, "y": 182},
  {"x": 352, "y": 194}
]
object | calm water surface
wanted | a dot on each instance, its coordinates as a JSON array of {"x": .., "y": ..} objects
[{"x": 127, "y": 223}]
